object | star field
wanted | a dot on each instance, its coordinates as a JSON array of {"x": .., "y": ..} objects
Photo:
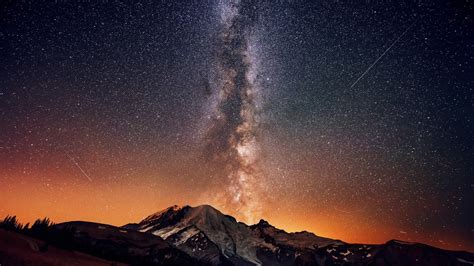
[{"x": 353, "y": 121}]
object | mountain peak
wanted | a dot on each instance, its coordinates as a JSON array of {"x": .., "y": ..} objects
[
  {"x": 263, "y": 223},
  {"x": 205, "y": 207}
]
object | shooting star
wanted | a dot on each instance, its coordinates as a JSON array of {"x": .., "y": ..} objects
[
  {"x": 78, "y": 166},
  {"x": 382, "y": 55}
]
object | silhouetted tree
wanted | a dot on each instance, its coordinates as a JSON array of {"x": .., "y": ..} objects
[
  {"x": 11, "y": 223},
  {"x": 40, "y": 228}
]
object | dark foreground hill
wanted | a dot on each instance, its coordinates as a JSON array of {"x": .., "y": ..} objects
[{"x": 203, "y": 235}]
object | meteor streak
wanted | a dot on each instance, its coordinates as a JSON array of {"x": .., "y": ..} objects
[
  {"x": 382, "y": 55},
  {"x": 78, "y": 166}
]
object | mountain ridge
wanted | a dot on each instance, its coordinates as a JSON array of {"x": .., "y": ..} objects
[
  {"x": 264, "y": 244},
  {"x": 203, "y": 235}
]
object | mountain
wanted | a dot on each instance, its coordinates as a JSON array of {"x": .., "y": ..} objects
[
  {"x": 212, "y": 237},
  {"x": 202, "y": 235},
  {"x": 205, "y": 233}
]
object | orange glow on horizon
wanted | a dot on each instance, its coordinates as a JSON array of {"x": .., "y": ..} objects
[{"x": 119, "y": 205}]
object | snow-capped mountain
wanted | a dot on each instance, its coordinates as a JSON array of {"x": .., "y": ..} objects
[
  {"x": 204, "y": 232},
  {"x": 211, "y": 237}
]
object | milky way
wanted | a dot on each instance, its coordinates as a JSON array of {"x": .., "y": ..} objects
[{"x": 233, "y": 137}]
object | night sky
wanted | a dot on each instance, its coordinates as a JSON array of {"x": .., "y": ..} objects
[{"x": 353, "y": 121}]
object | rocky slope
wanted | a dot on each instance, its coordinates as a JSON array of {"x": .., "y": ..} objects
[{"x": 128, "y": 246}]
